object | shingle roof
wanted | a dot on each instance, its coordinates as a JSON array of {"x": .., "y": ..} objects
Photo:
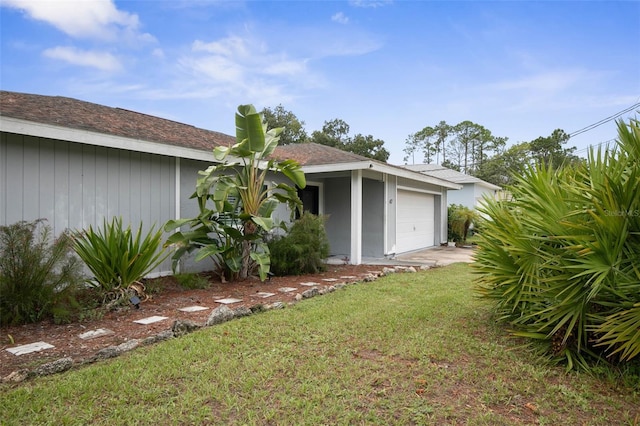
[
  {"x": 441, "y": 172},
  {"x": 313, "y": 154},
  {"x": 81, "y": 115}
]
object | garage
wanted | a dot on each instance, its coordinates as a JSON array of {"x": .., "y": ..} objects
[{"x": 415, "y": 221}]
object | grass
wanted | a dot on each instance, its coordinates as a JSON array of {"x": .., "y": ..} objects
[{"x": 407, "y": 349}]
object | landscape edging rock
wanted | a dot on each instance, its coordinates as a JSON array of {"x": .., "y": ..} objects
[{"x": 183, "y": 327}]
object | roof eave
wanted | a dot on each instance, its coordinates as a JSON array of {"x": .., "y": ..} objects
[
  {"x": 382, "y": 168},
  {"x": 30, "y": 128}
]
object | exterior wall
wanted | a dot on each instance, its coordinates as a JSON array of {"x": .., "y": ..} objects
[
  {"x": 372, "y": 218},
  {"x": 480, "y": 192},
  {"x": 470, "y": 195},
  {"x": 437, "y": 220},
  {"x": 464, "y": 196},
  {"x": 337, "y": 199},
  {"x": 189, "y": 208},
  {"x": 74, "y": 185},
  {"x": 392, "y": 214}
]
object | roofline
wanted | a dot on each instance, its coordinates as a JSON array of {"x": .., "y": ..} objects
[
  {"x": 31, "y": 128},
  {"x": 463, "y": 179},
  {"x": 382, "y": 168},
  {"x": 488, "y": 185}
]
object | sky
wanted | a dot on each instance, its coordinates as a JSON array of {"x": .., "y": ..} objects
[{"x": 387, "y": 68}]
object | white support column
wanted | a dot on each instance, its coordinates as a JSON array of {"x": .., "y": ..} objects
[{"x": 356, "y": 217}]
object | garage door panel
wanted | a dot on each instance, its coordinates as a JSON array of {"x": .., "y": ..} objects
[{"x": 415, "y": 221}]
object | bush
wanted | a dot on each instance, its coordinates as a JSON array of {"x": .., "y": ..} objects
[
  {"x": 560, "y": 258},
  {"x": 303, "y": 250},
  {"x": 117, "y": 258},
  {"x": 38, "y": 276},
  {"x": 459, "y": 221},
  {"x": 192, "y": 281}
]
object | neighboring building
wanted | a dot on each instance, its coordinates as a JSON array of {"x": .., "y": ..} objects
[
  {"x": 473, "y": 189},
  {"x": 76, "y": 163}
]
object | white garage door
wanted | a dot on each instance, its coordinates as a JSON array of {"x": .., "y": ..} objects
[{"x": 415, "y": 218}]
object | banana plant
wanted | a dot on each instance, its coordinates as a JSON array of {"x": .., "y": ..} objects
[{"x": 237, "y": 202}]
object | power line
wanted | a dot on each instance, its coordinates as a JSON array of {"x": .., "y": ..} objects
[
  {"x": 594, "y": 146},
  {"x": 604, "y": 120}
]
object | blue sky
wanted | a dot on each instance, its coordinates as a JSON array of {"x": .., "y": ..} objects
[{"x": 387, "y": 68}]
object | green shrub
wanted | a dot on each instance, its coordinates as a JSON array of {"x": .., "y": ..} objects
[
  {"x": 117, "y": 258},
  {"x": 561, "y": 257},
  {"x": 459, "y": 221},
  {"x": 303, "y": 250},
  {"x": 38, "y": 275},
  {"x": 192, "y": 281}
]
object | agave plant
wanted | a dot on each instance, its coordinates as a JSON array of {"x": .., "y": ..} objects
[
  {"x": 117, "y": 258},
  {"x": 561, "y": 259}
]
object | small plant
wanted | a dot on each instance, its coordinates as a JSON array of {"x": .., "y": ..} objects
[
  {"x": 303, "y": 250},
  {"x": 118, "y": 259},
  {"x": 38, "y": 275},
  {"x": 460, "y": 219},
  {"x": 192, "y": 281}
]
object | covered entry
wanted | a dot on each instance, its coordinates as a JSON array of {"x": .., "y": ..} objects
[{"x": 415, "y": 220}]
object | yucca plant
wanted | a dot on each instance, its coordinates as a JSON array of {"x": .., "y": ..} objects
[
  {"x": 117, "y": 258},
  {"x": 562, "y": 257}
]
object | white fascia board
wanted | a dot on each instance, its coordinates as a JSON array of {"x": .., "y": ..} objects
[
  {"x": 489, "y": 185},
  {"x": 336, "y": 167},
  {"x": 422, "y": 191},
  {"x": 30, "y": 128},
  {"x": 382, "y": 168}
]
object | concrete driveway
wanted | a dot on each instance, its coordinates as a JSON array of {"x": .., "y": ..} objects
[
  {"x": 437, "y": 256},
  {"x": 433, "y": 256}
]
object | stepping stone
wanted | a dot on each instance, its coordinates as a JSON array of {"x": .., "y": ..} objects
[
  {"x": 194, "y": 308},
  {"x": 286, "y": 289},
  {"x": 348, "y": 277},
  {"x": 264, "y": 295},
  {"x": 150, "y": 320},
  {"x": 95, "y": 333},
  {"x": 228, "y": 300},
  {"x": 31, "y": 347},
  {"x": 309, "y": 284},
  {"x": 330, "y": 280}
]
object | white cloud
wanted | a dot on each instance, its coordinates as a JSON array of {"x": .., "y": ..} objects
[
  {"x": 99, "y": 19},
  {"x": 230, "y": 46},
  {"x": 215, "y": 68},
  {"x": 286, "y": 67},
  {"x": 234, "y": 58},
  {"x": 158, "y": 53},
  {"x": 100, "y": 60},
  {"x": 340, "y": 18}
]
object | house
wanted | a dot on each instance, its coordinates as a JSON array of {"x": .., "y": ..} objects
[
  {"x": 473, "y": 189},
  {"x": 76, "y": 163}
]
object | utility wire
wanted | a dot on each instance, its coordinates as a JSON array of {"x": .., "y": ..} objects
[
  {"x": 604, "y": 120},
  {"x": 593, "y": 146}
]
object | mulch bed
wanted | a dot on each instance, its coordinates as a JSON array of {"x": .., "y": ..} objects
[{"x": 165, "y": 302}]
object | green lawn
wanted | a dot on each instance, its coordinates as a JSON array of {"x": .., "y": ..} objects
[{"x": 406, "y": 349}]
